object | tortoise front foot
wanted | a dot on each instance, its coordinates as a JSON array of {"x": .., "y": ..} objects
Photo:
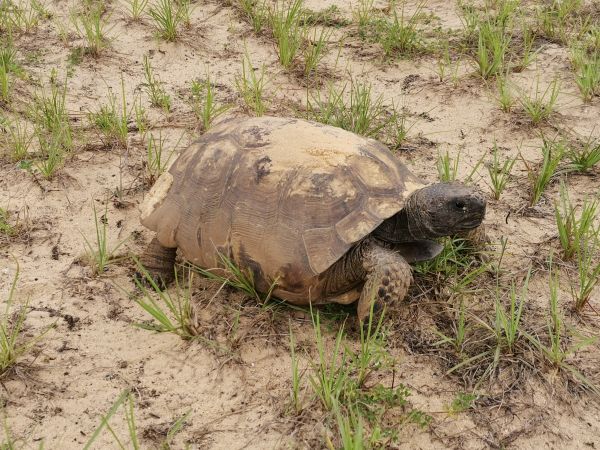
[
  {"x": 388, "y": 279},
  {"x": 157, "y": 265}
]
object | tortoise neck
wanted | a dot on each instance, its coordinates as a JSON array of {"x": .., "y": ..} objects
[
  {"x": 407, "y": 225},
  {"x": 395, "y": 229},
  {"x": 417, "y": 217}
]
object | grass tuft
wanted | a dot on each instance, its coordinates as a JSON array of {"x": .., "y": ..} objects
[
  {"x": 540, "y": 105},
  {"x": 154, "y": 88},
  {"x": 499, "y": 172},
  {"x": 91, "y": 27},
  {"x": 14, "y": 342},
  {"x": 552, "y": 155},
  {"x": 171, "y": 310},
  {"x": 99, "y": 254},
  {"x": 112, "y": 119},
  {"x": 204, "y": 102},
  {"x": 286, "y": 21},
  {"x": 126, "y": 402},
  {"x": 167, "y": 16},
  {"x": 574, "y": 230},
  {"x": 251, "y": 85}
]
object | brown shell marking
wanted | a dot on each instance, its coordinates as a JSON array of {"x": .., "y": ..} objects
[{"x": 285, "y": 197}]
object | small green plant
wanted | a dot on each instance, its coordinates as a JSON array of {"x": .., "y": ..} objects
[
  {"x": 91, "y": 27},
  {"x": 492, "y": 47},
  {"x": 462, "y": 402},
  {"x": 52, "y": 155},
  {"x": 586, "y": 64},
  {"x": 554, "y": 17},
  {"x": 505, "y": 95},
  {"x": 447, "y": 167},
  {"x": 112, "y": 119},
  {"x": 18, "y": 140},
  {"x": 400, "y": 35},
  {"x": 314, "y": 51},
  {"x": 99, "y": 254},
  {"x": 156, "y": 163},
  {"x": 363, "y": 15},
  {"x": 6, "y": 228},
  {"x": 256, "y": 13},
  {"x": 459, "y": 329},
  {"x": 351, "y": 430},
  {"x": 588, "y": 270},
  {"x": 507, "y": 326},
  {"x": 186, "y": 9},
  {"x": 126, "y": 402},
  {"x": 539, "y": 106},
  {"x": 585, "y": 156},
  {"x": 171, "y": 310},
  {"x": 574, "y": 230},
  {"x": 167, "y": 16},
  {"x": 560, "y": 346},
  {"x": 5, "y": 84},
  {"x": 231, "y": 274},
  {"x": 371, "y": 353},
  {"x": 137, "y": 8},
  {"x": 288, "y": 30},
  {"x": 154, "y": 88},
  {"x": 499, "y": 172},
  {"x": 14, "y": 343},
  {"x": 49, "y": 114},
  {"x": 552, "y": 155},
  {"x": 141, "y": 118},
  {"x": 204, "y": 102},
  {"x": 251, "y": 85},
  {"x": 331, "y": 371},
  {"x": 360, "y": 113},
  {"x": 296, "y": 376}
]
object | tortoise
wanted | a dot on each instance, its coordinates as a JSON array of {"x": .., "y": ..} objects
[{"x": 327, "y": 215}]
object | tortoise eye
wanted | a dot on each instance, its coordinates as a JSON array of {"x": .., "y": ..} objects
[{"x": 460, "y": 204}]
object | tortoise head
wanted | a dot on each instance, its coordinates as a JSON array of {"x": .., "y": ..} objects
[{"x": 444, "y": 209}]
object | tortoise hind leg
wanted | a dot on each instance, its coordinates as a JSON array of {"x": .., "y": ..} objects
[
  {"x": 388, "y": 277},
  {"x": 159, "y": 262}
]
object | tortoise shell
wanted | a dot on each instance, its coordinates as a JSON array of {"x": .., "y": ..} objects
[{"x": 284, "y": 198}]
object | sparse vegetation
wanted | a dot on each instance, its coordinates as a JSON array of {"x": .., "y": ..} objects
[
  {"x": 479, "y": 327},
  {"x": 126, "y": 402},
  {"x": 156, "y": 160},
  {"x": 584, "y": 156},
  {"x": 361, "y": 113},
  {"x": 90, "y": 25},
  {"x": 552, "y": 155},
  {"x": 540, "y": 105},
  {"x": 167, "y": 16},
  {"x": 575, "y": 230},
  {"x": 204, "y": 102},
  {"x": 338, "y": 379},
  {"x": 447, "y": 167},
  {"x": 18, "y": 140},
  {"x": 286, "y": 24},
  {"x": 100, "y": 254},
  {"x": 499, "y": 172},
  {"x": 15, "y": 342},
  {"x": 112, "y": 119},
  {"x": 171, "y": 310},
  {"x": 399, "y": 36},
  {"x": 137, "y": 8},
  {"x": 154, "y": 88},
  {"x": 251, "y": 84}
]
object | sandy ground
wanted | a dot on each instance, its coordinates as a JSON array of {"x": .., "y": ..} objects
[{"x": 238, "y": 396}]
